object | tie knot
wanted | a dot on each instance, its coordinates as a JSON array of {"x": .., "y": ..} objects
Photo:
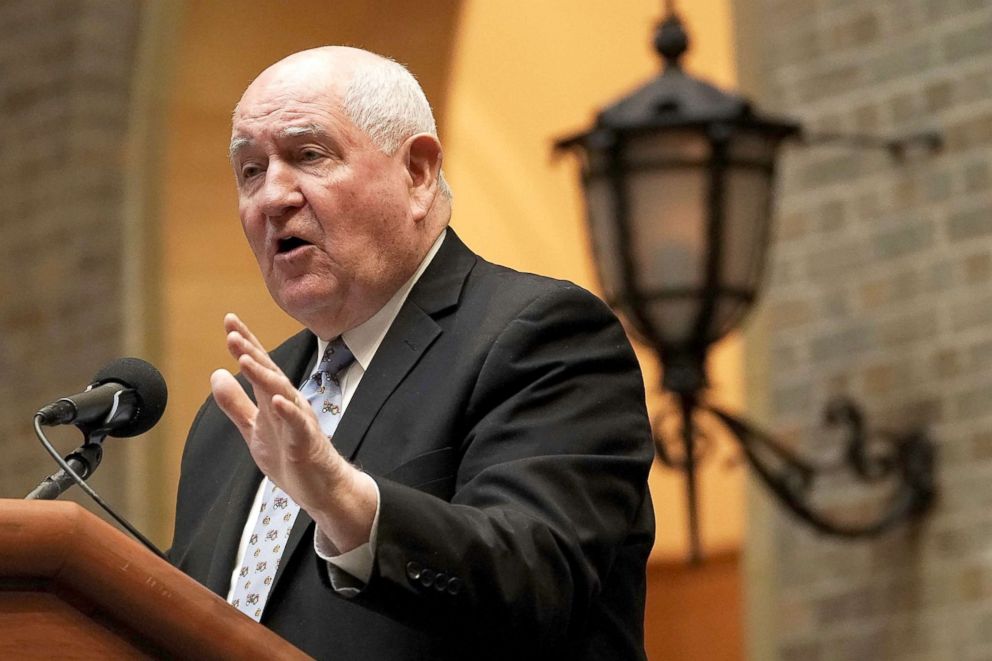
[{"x": 336, "y": 357}]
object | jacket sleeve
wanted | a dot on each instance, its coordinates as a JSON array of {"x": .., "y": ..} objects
[{"x": 551, "y": 484}]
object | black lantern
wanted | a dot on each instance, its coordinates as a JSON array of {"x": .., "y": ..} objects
[{"x": 678, "y": 179}]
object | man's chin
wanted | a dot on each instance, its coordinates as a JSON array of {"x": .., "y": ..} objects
[{"x": 302, "y": 301}]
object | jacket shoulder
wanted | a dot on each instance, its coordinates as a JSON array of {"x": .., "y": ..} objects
[{"x": 510, "y": 289}]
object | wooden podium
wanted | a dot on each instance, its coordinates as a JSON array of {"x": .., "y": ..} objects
[{"x": 72, "y": 586}]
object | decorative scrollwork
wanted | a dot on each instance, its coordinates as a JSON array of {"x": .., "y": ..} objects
[
  {"x": 669, "y": 438},
  {"x": 870, "y": 457}
]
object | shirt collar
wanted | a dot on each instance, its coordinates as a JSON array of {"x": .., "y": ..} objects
[{"x": 365, "y": 338}]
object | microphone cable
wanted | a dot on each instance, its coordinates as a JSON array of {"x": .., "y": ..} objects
[{"x": 90, "y": 492}]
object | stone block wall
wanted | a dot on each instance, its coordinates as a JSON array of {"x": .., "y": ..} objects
[
  {"x": 880, "y": 287},
  {"x": 65, "y": 91}
]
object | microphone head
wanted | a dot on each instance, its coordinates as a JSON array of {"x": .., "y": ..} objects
[{"x": 148, "y": 385}]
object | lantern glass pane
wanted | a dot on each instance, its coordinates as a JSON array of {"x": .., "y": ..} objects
[
  {"x": 669, "y": 243},
  {"x": 600, "y": 210},
  {"x": 674, "y": 318},
  {"x": 746, "y": 220},
  {"x": 745, "y": 240},
  {"x": 668, "y": 232}
]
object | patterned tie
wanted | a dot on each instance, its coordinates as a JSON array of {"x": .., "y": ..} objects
[{"x": 278, "y": 511}]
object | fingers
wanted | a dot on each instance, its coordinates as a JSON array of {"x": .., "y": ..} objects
[
  {"x": 238, "y": 345},
  {"x": 266, "y": 381},
  {"x": 264, "y": 375},
  {"x": 279, "y": 402},
  {"x": 232, "y": 322},
  {"x": 240, "y": 341},
  {"x": 233, "y": 401},
  {"x": 292, "y": 413}
]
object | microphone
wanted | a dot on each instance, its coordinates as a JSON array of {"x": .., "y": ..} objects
[{"x": 127, "y": 397}]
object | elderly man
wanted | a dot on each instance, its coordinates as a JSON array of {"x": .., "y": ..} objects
[{"x": 483, "y": 493}]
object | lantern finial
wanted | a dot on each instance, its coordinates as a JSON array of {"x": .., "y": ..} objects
[{"x": 671, "y": 40}]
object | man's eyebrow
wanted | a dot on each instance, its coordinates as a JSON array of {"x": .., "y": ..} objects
[
  {"x": 237, "y": 144},
  {"x": 311, "y": 130}
]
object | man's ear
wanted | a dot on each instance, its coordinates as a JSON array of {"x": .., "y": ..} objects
[{"x": 423, "y": 164}]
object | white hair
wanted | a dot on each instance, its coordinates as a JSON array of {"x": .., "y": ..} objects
[{"x": 385, "y": 101}]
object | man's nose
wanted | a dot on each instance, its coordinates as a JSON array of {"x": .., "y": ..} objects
[{"x": 281, "y": 191}]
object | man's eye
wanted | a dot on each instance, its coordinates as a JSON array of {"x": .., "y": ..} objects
[
  {"x": 309, "y": 155},
  {"x": 249, "y": 171}
]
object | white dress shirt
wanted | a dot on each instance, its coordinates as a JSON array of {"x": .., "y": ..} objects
[{"x": 350, "y": 571}]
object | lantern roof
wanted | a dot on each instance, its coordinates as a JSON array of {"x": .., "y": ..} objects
[{"x": 675, "y": 99}]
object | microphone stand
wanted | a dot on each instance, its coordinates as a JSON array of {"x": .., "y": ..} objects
[
  {"x": 83, "y": 461},
  {"x": 83, "y": 457}
]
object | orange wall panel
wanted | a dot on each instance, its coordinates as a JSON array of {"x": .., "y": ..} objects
[{"x": 694, "y": 612}]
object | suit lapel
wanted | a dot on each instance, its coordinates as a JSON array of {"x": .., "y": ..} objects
[
  {"x": 410, "y": 335},
  {"x": 241, "y": 493},
  {"x": 396, "y": 356},
  {"x": 412, "y": 332}
]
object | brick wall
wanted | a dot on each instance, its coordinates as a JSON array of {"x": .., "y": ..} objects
[
  {"x": 881, "y": 287},
  {"x": 65, "y": 83}
]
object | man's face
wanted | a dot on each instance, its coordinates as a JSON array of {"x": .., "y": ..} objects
[{"x": 326, "y": 213}]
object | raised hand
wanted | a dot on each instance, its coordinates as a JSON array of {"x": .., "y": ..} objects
[{"x": 286, "y": 442}]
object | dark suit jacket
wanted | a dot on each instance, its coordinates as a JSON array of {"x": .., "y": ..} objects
[{"x": 503, "y": 420}]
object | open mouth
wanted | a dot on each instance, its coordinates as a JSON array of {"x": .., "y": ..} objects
[{"x": 289, "y": 244}]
